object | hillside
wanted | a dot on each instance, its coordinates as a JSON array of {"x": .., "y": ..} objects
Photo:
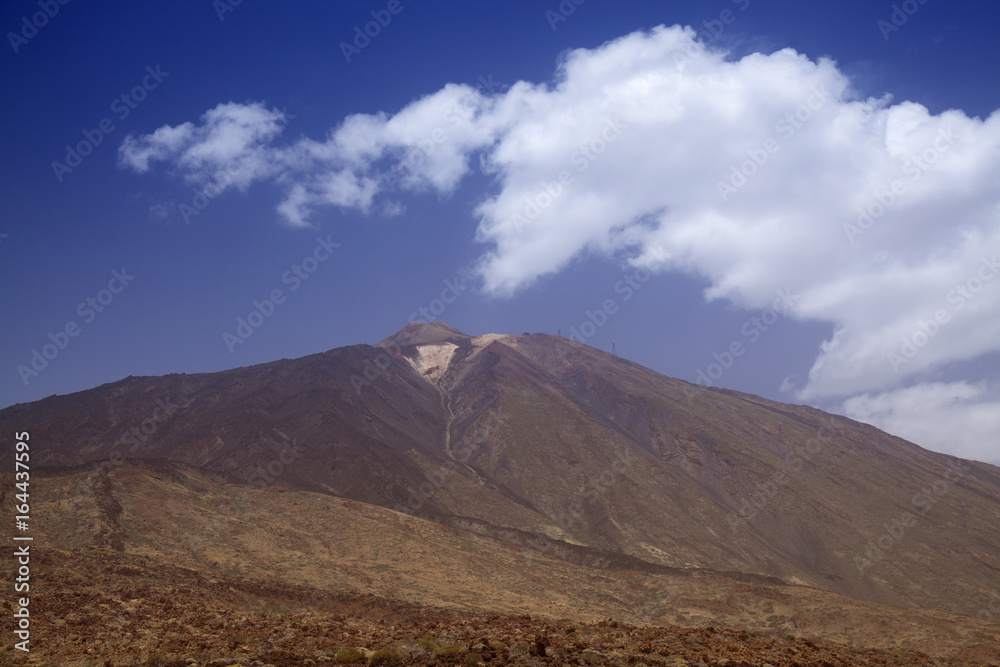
[
  {"x": 525, "y": 474},
  {"x": 544, "y": 440}
]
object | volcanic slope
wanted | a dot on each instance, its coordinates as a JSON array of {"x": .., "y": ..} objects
[{"x": 550, "y": 445}]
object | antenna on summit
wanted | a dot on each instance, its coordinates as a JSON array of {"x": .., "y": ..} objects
[{"x": 613, "y": 349}]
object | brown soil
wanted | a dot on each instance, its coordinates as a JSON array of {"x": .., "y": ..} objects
[{"x": 117, "y": 609}]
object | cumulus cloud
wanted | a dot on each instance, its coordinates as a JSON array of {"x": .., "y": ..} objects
[
  {"x": 228, "y": 147},
  {"x": 426, "y": 146},
  {"x": 759, "y": 174}
]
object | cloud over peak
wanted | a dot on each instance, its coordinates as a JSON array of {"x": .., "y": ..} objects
[{"x": 759, "y": 174}]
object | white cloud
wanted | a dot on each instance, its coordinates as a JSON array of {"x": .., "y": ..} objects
[
  {"x": 759, "y": 174},
  {"x": 295, "y": 206},
  {"x": 957, "y": 417},
  {"x": 229, "y": 147}
]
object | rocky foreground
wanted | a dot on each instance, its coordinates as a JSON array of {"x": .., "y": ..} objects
[{"x": 114, "y": 609}]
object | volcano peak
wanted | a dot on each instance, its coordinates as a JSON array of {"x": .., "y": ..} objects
[{"x": 425, "y": 333}]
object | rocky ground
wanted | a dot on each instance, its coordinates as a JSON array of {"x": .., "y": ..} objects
[{"x": 112, "y": 609}]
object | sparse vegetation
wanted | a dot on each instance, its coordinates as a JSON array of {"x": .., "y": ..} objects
[
  {"x": 451, "y": 649},
  {"x": 429, "y": 643},
  {"x": 349, "y": 655},
  {"x": 386, "y": 657}
]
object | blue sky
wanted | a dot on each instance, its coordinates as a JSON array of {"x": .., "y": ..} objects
[{"x": 594, "y": 168}]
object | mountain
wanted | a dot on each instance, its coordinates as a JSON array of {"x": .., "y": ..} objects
[{"x": 546, "y": 445}]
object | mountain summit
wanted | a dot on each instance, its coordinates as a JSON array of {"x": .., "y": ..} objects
[{"x": 419, "y": 333}]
